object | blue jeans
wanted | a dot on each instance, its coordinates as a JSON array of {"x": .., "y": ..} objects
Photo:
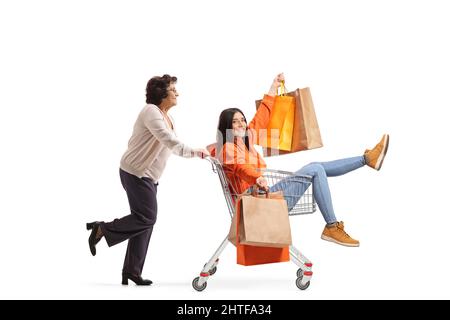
[{"x": 320, "y": 171}]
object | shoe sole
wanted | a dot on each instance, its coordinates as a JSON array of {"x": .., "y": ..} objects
[
  {"x": 383, "y": 153},
  {"x": 338, "y": 242}
]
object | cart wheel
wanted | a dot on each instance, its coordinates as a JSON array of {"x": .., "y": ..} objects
[
  {"x": 299, "y": 273},
  {"x": 211, "y": 271},
  {"x": 196, "y": 286},
  {"x": 301, "y": 286}
]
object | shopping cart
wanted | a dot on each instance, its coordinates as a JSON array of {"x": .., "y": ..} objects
[{"x": 305, "y": 204}]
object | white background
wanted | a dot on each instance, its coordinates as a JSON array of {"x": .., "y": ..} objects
[{"x": 72, "y": 81}]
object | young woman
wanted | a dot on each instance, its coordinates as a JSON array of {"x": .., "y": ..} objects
[{"x": 242, "y": 163}]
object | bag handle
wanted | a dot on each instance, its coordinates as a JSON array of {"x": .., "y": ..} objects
[
  {"x": 255, "y": 190},
  {"x": 282, "y": 89}
]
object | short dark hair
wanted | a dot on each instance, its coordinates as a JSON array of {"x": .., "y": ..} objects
[
  {"x": 157, "y": 88},
  {"x": 225, "y": 126}
]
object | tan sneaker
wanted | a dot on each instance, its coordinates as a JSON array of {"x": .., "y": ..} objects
[
  {"x": 337, "y": 234},
  {"x": 374, "y": 158}
]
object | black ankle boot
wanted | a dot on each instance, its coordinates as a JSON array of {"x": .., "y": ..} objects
[
  {"x": 93, "y": 240},
  {"x": 136, "y": 279}
]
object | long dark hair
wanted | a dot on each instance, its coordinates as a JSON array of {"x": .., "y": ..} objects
[
  {"x": 225, "y": 126},
  {"x": 157, "y": 88}
]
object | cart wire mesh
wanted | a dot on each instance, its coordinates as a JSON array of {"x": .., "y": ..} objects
[{"x": 297, "y": 189}]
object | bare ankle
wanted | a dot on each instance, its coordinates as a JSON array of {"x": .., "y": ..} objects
[{"x": 99, "y": 233}]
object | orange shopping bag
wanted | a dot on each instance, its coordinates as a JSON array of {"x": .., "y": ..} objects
[
  {"x": 305, "y": 133},
  {"x": 281, "y": 123}
]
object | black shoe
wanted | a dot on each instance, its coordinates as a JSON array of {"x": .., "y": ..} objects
[
  {"x": 93, "y": 240},
  {"x": 136, "y": 279}
]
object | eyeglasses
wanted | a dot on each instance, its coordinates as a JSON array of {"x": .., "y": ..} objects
[{"x": 172, "y": 89}]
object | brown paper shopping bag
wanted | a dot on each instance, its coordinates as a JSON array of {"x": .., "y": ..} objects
[
  {"x": 263, "y": 221},
  {"x": 306, "y": 132},
  {"x": 249, "y": 255},
  {"x": 233, "y": 228}
]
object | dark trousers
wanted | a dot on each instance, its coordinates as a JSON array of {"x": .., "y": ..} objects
[{"x": 137, "y": 226}]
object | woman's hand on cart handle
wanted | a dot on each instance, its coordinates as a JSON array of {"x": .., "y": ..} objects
[
  {"x": 262, "y": 183},
  {"x": 201, "y": 153}
]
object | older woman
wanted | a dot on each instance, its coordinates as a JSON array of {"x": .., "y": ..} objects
[
  {"x": 152, "y": 142},
  {"x": 242, "y": 163}
]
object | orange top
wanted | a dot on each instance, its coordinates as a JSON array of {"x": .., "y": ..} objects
[{"x": 240, "y": 164}]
